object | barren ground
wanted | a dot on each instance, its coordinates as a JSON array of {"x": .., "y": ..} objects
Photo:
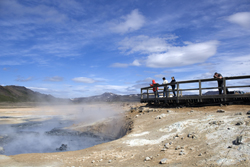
[{"x": 198, "y": 136}]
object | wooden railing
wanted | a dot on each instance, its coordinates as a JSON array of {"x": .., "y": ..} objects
[{"x": 179, "y": 91}]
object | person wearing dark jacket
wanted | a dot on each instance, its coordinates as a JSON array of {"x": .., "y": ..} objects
[
  {"x": 220, "y": 82},
  {"x": 173, "y": 85}
]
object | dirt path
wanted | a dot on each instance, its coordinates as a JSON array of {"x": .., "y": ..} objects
[{"x": 182, "y": 136}]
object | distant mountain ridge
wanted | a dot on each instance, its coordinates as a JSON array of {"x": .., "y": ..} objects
[
  {"x": 109, "y": 97},
  {"x": 14, "y": 93}
]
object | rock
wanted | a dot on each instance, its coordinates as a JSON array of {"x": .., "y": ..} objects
[
  {"x": 248, "y": 113},
  {"x": 163, "y": 161},
  {"x": 238, "y": 113},
  {"x": 238, "y": 140},
  {"x": 160, "y": 116},
  {"x": 240, "y": 123},
  {"x": 177, "y": 147},
  {"x": 167, "y": 144},
  {"x": 192, "y": 111},
  {"x": 147, "y": 159},
  {"x": 109, "y": 161},
  {"x": 93, "y": 161},
  {"x": 164, "y": 149},
  {"x": 151, "y": 110},
  {"x": 216, "y": 122},
  {"x": 169, "y": 111},
  {"x": 221, "y": 111},
  {"x": 132, "y": 109},
  {"x": 62, "y": 148},
  {"x": 200, "y": 154},
  {"x": 192, "y": 135},
  {"x": 247, "y": 123}
]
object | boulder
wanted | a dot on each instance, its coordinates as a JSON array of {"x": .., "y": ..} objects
[
  {"x": 163, "y": 161},
  {"x": 62, "y": 148},
  {"x": 221, "y": 111},
  {"x": 240, "y": 123},
  {"x": 238, "y": 140}
]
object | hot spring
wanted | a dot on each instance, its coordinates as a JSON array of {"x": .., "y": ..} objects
[{"x": 56, "y": 129}]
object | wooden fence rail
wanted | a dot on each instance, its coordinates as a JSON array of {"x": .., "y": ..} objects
[{"x": 147, "y": 92}]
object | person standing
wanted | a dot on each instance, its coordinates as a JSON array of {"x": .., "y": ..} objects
[
  {"x": 173, "y": 85},
  {"x": 219, "y": 78},
  {"x": 165, "y": 87},
  {"x": 155, "y": 89}
]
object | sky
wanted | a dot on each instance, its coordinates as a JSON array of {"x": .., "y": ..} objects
[{"x": 82, "y": 48}]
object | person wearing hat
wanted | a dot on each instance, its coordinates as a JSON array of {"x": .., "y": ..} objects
[{"x": 165, "y": 87}]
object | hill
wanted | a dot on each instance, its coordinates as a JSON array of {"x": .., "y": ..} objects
[
  {"x": 22, "y": 94},
  {"x": 109, "y": 97}
]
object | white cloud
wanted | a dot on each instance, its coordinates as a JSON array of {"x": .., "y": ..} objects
[
  {"x": 241, "y": 18},
  {"x": 131, "y": 22},
  {"x": 136, "y": 63},
  {"x": 143, "y": 44},
  {"x": 84, "y": 80},
  {"x": 39, "y": 89},
  {"x": 124, "y": 65},
  {"x": 181, "y": 56},
  {"x": 21, "y": 79},
  {"x": 121, "y": 65},
  {"x": 54, "y": 79}
]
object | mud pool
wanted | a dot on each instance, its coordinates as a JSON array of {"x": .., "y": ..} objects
[{"x": 43, "y": 137}]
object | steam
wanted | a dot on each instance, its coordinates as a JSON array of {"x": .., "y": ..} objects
[{"x": 38, "y": 134}]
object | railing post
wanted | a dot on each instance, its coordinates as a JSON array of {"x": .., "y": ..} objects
[
  {"x": 147, "y": 94},
  {"x": 200, "y": 91},
  {"x": 224, "y": 89},
  {"x": 177, "y": 92},
  {"x": 141, "y": 94}
]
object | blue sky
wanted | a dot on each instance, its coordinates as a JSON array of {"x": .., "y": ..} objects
[{"x": 80, "y": 48}]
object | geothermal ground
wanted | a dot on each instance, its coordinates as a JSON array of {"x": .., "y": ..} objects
[{"x": 198, "y": 136}]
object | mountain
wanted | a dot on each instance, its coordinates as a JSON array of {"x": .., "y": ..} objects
[
  {"x": 21, "y": 94},
  {"x": 109, "y": 97}
]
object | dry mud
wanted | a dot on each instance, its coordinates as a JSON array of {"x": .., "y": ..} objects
[{"x": 182, "y": 136}]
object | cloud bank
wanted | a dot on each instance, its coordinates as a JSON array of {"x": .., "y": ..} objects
[{"x": 161, "y": 54}]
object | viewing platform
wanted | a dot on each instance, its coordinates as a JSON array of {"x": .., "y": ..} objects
[{"x": 196, "y": 92}]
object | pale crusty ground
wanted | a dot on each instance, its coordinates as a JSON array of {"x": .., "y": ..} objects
[{"x": 148, "y": 136}]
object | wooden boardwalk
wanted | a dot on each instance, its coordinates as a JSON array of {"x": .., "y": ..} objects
[{"x": 197, "y": 96}]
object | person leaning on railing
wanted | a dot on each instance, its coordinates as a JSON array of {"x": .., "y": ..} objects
[
  {"x": 219, "y": 78},
  {"x": 155, "y": 89},
  {"x": 165, "y": 87},
  {"x": 173, "y": 85}
]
